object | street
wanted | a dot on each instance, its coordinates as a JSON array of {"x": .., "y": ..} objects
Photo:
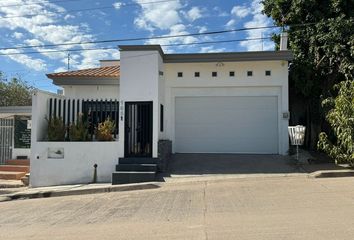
[{"x": 250, "y": 208}]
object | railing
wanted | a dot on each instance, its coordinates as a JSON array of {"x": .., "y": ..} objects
[{"x": 92, "y": 111}]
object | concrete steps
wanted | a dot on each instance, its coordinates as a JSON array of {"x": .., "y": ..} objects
[
  {"x": 7, "y": 175},
  {"x": 134, "y": 170},
  {"x": 14, "y": 169},
  {"x": 124, "y": 177},
  {"x": 137, "y": 167},
  {"x": 137, "y": 160},
  {"x": 23, "y": 162}
]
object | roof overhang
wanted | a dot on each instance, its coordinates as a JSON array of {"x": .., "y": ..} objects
[
  {"x": 284, "y": 55},
  {"x": 16, "y": 109},
  {"x": 142, "y": 48},
  {"x": 84, "y": 81},
  {"x": 229, "y": 57}
]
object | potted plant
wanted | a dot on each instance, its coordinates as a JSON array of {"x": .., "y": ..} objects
[{"x": 105, "y": 130}]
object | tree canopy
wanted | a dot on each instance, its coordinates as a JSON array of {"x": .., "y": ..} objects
[
  {"x": 321, "y": 37},
  {"x": 15, "y": 92}
]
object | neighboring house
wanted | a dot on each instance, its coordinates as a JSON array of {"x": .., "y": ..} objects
[
  {"x": 15, "y": 141},
  {"x": 198, "y": 103},
  {"x": 15, "y": 133}
]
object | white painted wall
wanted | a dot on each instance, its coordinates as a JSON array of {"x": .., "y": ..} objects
[
  {"x": 139, "y": 81},
  {"x": 79, "y": 157},
  {"x": 223, "y": 85},
  {"x": 91, "y": 91},
  {"x": 77, "y": 164}
]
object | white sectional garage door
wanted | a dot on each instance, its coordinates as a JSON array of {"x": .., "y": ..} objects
[{"x": 235, "y": 124}]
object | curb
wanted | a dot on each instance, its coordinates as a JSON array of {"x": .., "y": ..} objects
[
  {"x": 4, "y": 186},
  {"x": 332, "y": 174},
  {"x": 71, "y": 192}
]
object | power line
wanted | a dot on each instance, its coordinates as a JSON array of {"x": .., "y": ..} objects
[
  {"x": 41, "y": 2},
  {"x": 154, "y": 37},
  {"x": 87, "y": 9},
  {"x": 115, "y": 48},
  {"x": 140, "y": 38}
]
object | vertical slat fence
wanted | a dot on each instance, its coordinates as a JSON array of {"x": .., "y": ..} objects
[{"x": 92, "y": 111}]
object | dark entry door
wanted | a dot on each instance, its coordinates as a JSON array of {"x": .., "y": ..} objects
[{"x": 138, "y": 129}]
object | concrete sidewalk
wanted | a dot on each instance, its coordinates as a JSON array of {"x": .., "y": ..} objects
[{"x": 79, "y": 189}]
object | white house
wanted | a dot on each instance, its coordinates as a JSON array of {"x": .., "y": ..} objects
[{"x": 235, "y": 102}]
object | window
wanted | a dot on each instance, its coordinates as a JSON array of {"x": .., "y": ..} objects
[
  {"x": 232, "y": 74},
  {"x": 197, "y": 74},
  {"x": 249, "y": 73},
  {"x": 161, "y": 73},
  {"x": 161, "y": 118},
  {"x": 180, "y": 74},
  {"x": 268, "y": 73},
  {"x": 214, "y": 74}
]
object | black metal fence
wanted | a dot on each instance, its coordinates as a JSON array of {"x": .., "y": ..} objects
[{"x": 92, "y": 111}]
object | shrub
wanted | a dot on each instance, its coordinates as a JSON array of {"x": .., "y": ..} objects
[
  {"x": 56, "y": 129},
  {"x": 78, "y": 131},
  {"x": 341, "y": 119},
  {"x": 105, "y": 130}
]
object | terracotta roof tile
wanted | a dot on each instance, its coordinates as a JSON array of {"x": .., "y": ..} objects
[{"x": 111, "y": 71}]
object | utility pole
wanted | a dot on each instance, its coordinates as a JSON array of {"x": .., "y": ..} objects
[{"x": 69, "y": 61}]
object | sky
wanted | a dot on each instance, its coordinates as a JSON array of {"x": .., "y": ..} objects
[{"x": 43, "y": 22}]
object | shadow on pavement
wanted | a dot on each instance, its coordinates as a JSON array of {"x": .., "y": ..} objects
[{"x": 202, "y": 164}]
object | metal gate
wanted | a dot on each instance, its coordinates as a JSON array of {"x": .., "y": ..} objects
[
  {"x": 138, "y": 129},
  {"x": 6, "y": 138}
]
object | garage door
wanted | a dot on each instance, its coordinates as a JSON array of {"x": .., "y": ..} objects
[{"x": 226, "y": 124}]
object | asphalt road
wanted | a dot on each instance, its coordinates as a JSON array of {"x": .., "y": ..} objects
[{"x": 257, "y": 208}]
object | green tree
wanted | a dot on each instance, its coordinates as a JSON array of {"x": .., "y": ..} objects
[
  {"x": 321, "y": 37},
  {"x": 341, "y": 119},
  {"x": 15, "y": 92}
]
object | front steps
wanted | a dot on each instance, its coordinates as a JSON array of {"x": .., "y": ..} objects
[
  {"x": 14, "y": 169},
  {"x": 134, "y": 170}
]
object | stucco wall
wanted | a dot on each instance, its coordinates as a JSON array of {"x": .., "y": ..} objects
[
  {"x": 79, "y": 157},
  {"x": 77, "y": 164},
  {"x": 139, "y": 79},
  {"x": 224, "y": 85},
  {"x": 92, "y": 91}
]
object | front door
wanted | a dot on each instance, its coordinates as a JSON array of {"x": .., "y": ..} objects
[{"x": 138, "y": 129}]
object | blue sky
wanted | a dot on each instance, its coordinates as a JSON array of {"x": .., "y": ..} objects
[{"x": 57, "y": 21}]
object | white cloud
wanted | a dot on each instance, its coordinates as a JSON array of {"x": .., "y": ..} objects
[
  {"x": 161, "y": 16},
  {"x": 46, "y": 28},
  {"x": 211, "y": 49},
  {"x": 194, "y": 13},
  {"x": 60, "y": 69},
  {"x": 258, "y": 20},
  {"x": 17, "y": 35},
  {"x": 117, "y": 5},
  {"x": 35, "y": 64},
  {"x": 33, "y": 42},
  {"x": 231, "y": 23},
  {"x": 240, "y": 11},
  {"x": 220, "y": 12},
  {"x": 202, "y": 29},
  {"x": 178, "y": 29}
]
